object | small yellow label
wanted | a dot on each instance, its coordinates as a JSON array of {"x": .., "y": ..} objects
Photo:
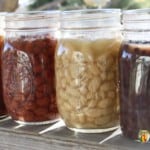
[{"x": 144, "y": 136}]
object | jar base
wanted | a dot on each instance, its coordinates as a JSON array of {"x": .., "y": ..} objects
[
  {"x": 3, "y": 116},
  {"x": 94, "y": 130},
  {"x": 37, "y": 123}
]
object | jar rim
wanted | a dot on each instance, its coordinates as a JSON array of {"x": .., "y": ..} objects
[
  {"x": 2, "y": 19},
  {"x": 89, "y": 13},
  {"x": 3, "y": 13},
  {"x": 32, "y": 15},
  {"x": 100, "y": 10},
  {"x": 136, "y": 15},
  {"x": 32, "y": 20},
  {"x": 90, "y": 19},
  {"x": 136, "y": 11},
  {"x": 136, "y": 22}
]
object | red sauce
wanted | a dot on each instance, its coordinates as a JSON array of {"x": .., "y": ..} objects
[
  {"x": 3, "y": 111},
  {"x": 29, "y": 78}
]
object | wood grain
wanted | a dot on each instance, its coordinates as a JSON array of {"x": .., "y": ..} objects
[{"x": 28, "y": 138}]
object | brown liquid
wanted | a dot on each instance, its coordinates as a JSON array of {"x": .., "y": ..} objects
[
  {"x": 135, "y": 88},
  {"x": 29, "y": 78}
]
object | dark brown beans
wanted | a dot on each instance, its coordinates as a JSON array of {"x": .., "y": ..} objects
[{"x": 135, "y": 88}]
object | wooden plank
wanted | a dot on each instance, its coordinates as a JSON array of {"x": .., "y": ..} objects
[{"x": 28, "y": 138}]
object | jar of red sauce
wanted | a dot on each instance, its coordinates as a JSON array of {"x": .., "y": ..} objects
[
  {"x": 3, "y": 112},
  {"x": 135, "y": 74},
  {"x": 28, "y": 67}
]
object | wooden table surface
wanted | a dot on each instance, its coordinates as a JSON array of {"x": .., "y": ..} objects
[{"x": 16, "y": 137}]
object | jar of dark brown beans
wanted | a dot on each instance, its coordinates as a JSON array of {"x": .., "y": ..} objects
[
  {"x": 87, "y": 69},
  {"x": 3, "y": 112},
  {"x": 135, "y": 73},
  {"x": 28, "y": 67}
]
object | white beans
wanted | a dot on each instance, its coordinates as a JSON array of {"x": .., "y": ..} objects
[{"x": 86, "y": 81}]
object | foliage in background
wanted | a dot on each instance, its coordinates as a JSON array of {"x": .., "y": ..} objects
[
  {"x": 38, "y": 3},
  {"x": 65, "y": 4},
  {"x": 79, "y": 4},
  {"x": 129, "y": 4},
  {"x": 72, "y": 4}
]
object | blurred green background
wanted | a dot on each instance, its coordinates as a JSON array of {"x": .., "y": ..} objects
[
  {"x": 78, "y": 4},
  {"x": 25, "y": 5}
]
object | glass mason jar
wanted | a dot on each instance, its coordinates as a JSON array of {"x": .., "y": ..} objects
[
  {"x": 3, "y": 112},
  {"x": 135, "y": 73},
  {"x": 28, "y": 67},
  {"x": 86, "y": 69}
]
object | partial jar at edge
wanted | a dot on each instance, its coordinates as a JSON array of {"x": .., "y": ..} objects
[
  {"x": 3, "y": 111},
  {"x": 87, "y": 69},
  {"x": 28, "y": 67},
  {"x": 135, "y": 74}
]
